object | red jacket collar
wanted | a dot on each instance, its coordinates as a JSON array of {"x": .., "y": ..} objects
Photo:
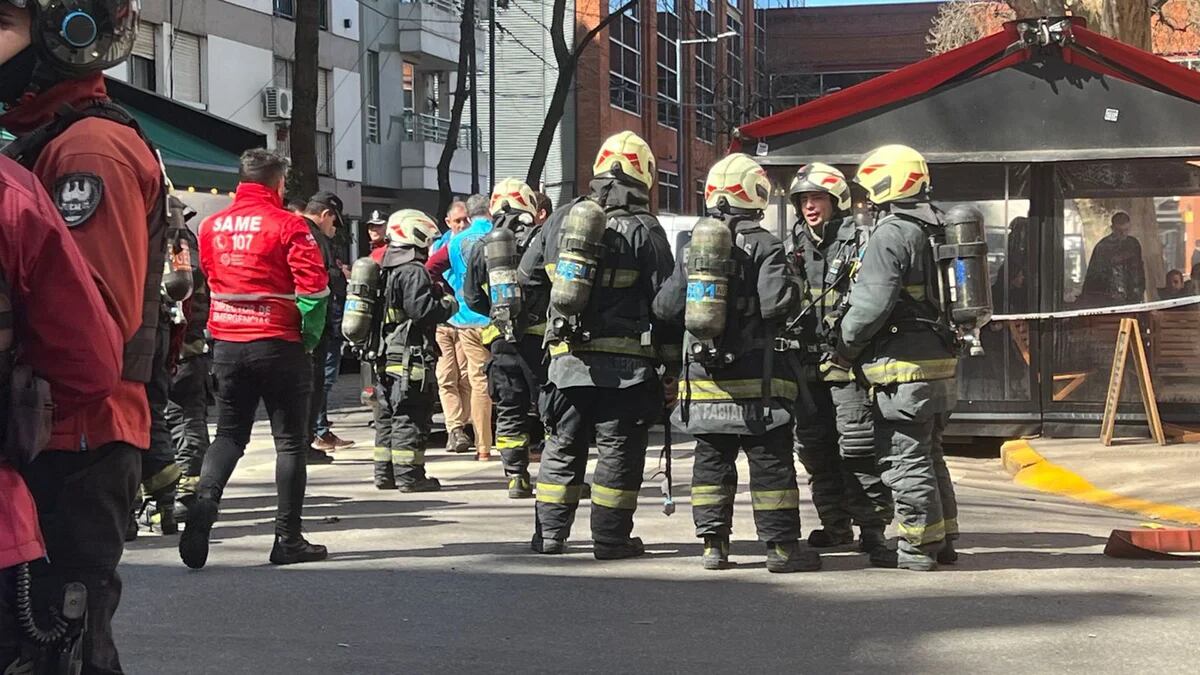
[
  {"x": 36, "y": 110},
  {"x": 255, "y": 193}
]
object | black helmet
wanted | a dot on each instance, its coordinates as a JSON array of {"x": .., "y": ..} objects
[{"x": 77, "y": 37}]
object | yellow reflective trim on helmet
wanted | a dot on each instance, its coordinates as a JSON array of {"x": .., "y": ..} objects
[
  {"x": 918, "y": 535},
  {"x": 902, "y": 372},
  {"x": 775, "y": 500},
  {"x": 614, "y": 498},
  {"x": 408, "y": 457},
  {"x": 732, "y": 390},
  {"x": 511, "y": 442},
  {"x": 713, "y": 495},
  {"x": 558, "y": 494},
  {"x": 382, "y": 454},
  {"x": 608, "y": 345}
]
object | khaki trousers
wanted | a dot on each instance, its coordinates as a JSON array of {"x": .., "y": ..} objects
[
  {"x": 454, "y": 387},
  {"x": 481, "y": 402}
]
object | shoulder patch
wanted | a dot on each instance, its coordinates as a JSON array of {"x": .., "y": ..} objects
[{"x": 77, "y": 196}]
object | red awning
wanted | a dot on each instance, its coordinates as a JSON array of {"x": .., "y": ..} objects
[{"x": 972, "y": 60}]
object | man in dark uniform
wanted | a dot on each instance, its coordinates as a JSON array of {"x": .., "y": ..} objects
[
  {"x": 737, "y": 392},
  {"x": 602, "y": 376},
  {"x": 835, "y": 440},
  {"x": 1116, "y": 274}
]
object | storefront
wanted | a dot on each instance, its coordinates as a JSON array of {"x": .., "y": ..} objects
[{"x": 1052, "y": 131}]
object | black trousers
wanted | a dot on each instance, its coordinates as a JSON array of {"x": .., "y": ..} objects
[
  {"x": 773, "y": 492},
  {"x": 187, "y": 413},
  {"x": 316, "y": 402},
  {"x": 514, "y": 374},
  {"x": 402, "y": 422},
  {"x": 83, "y": 501},
  {"x": 620, "y": 419},
  {"x": 159, "y": 471},
  {"x": 278, "y": 373}
]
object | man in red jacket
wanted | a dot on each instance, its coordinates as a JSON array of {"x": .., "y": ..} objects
[
  {"x": 54, "y": 302},
  {"x": 107, "y": 185},
  {"x": 269, "y": 298}
]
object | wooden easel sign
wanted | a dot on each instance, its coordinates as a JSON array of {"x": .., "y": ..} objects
[{"x": 1130, "y": 332}]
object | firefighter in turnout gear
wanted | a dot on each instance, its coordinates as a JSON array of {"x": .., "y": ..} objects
[
  {"x": 835, "y": 438},
  {"x": 732, "y": 290},
  {"x": 516, "y": 370},
  {"x": 412, "y": 308},
  {"x": 603, "y": 259},
  {"x": 895, "y": 336}
]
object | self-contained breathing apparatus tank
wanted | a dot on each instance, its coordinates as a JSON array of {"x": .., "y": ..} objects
[
  {"x": 362, "y": 294},
  {"x": 580, "y": 253},
  {"x": 709, "y": 265},
  {"x": 504, "y": 291},
  {"x": 963, "y": 265},
  {"x": 177, "y": 272}
]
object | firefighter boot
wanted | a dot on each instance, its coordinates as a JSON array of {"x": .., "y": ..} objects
[
  {"x": 165, "y": 504},
  {"x": 917, "y": 562},
  {"x": 193, "y": 543},
  {"x": 547, "y": 546},
  {"x": 787, "y": 556},
  {"x": 830, "y": 537},
  {"x": 947, "y": 556},
  {"x": 298, "y": 550},
  {"x": 716, "y": 553},
  {"x": 519, "y": 487},
  {"x": 427, "y": 484},
  {"x": 384, "y": 479},
  {"x": 630, "y": 548},
  {"x": 871, "y": 538}
]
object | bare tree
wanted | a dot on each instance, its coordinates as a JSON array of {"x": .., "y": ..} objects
[
  {"x": 466, "y": 47},
  {"x": 303, "y": 132},
  {"x": 959, "y": 22},
  {"x": 568, "y": 62}
]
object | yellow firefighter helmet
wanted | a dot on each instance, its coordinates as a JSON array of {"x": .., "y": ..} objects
[
  {"x": 818, "y": 177},
  {"x": 514, "y": 194},
  {"x": 739, "y": 182},
  {"x": 894, "y": 173},
  {"x": 410, "y": 227},
  {"x": 626, "y": 154}
]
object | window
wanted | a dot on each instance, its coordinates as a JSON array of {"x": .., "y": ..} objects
[
  {"x": 186, "y": 77},
  {"x": 701, "y": 209},
  {"x": 143, "y": 62},
  {"x": 735, "y": 69},
  {"x": 285, "y": 77},
  {"x": 372, "y": 112},
  {"x": 668, "y": 68},
  {"x": 762, "y": 81},
  {"x": 625, "y": 60},
  {"x": 287, "y": 10},
  {"x": 706, "y": 59},
  {"x": 668, "y": 191}
]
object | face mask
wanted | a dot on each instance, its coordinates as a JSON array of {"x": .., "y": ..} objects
[{"x": 16, "y": 75}]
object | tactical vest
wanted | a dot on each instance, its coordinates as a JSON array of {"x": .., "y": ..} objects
[
  {"x": 826, "y": 285},
  {"x": 139, "y": 350}
]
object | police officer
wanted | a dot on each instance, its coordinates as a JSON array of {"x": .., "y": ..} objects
[
  {"x": 737, "y": 391},
  {"x": 108, "y": 186},
  {"x": 894, "y": 334},
  {"x": 515, "y": 371},
  {"x": 835, "y": 438},
  {"x": 602, "y": 374},
  {"x": 413, "y": 306}
]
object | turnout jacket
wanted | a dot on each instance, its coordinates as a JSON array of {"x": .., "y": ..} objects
[
  {"x": 414, "y": 307},
  {"x": 728, "y": 399},
  {"x": 892, "y": 328},
  {"x": 477, "y": 292},
  {"x": 826, "y": 267},
  {"x": 621, "y": 351}
]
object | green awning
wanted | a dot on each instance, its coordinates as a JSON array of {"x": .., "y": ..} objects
[{"x": 191, "y": 161}]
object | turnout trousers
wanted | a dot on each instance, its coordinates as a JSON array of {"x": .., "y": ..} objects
[
  {"x": 773, "y": 492},
  {"x": 620, "y": 419},
  {"x": 515, "y": 374},
  {"x": 187, "y": 415},
  {"x": 910, "y": 421},
  {"x": 160, "y": 473},
  {"x": 837, "y": 446},
  {"x": 402, "y": 422}
]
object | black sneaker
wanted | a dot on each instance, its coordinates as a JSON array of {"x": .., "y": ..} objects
[
  {"x": 519, "y": 488},
  {"x": 626, "y": 549},
  {"x": 298, "y": 550},
  {"x": 916, "y": 562},
  {"x": 317, "y": 457},
  {"x": 193, "y": 543},
  {"x": 871, "y": 538},
  {"x": 458, "y": 442},
  {"x": 948, "y": 555},
  {"x": 830, "y": 538},
  {"x": 548, "y": 546},
  {"x": 421, "y": 485},
  {"x": 785, "y": 557},
  {"x": 716, "y": 553}
]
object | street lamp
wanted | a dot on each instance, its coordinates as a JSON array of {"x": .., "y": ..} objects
[{"x": 679, "y": 100}]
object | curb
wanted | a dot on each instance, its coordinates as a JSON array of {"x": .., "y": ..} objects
[{"x": 1030, "y": 469}]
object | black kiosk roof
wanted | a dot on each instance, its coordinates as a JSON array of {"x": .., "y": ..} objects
[{"x": 1041, "y": 90}]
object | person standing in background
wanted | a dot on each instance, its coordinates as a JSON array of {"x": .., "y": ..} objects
[
  {"x": 454, "y": 385},
  {"x": 1116, "y": 274},
  {"x": 324, "y": 213}
]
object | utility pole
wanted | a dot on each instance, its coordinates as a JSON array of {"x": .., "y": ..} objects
[
  {"x": 492, "y": 5},
  {"x": 474, "y": 134},
  {"x": 682, "y": 179}
]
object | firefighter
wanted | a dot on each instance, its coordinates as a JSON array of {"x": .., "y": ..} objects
[
  {"x": 515, "y": 371},
  {"x": 49, "y": 300},
  {"x": 602, "y": 376},
  {"x": 107, "y": 184},
  {"x": 893, "y": 334},
  {"x": 412, "y": 308},
  {"x": 835, "y": 438},
  {"x": 733, "y": 291}
]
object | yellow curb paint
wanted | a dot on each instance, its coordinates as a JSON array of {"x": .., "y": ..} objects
[{"x": 1030, "y": 469}]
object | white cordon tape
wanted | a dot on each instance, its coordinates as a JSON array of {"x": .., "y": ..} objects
[{"x": 1103, "y": 311}]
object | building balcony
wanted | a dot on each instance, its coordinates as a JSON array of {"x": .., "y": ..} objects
[
  {"x": 424, "y": 137},
  {"x": 429, "y": 29}
]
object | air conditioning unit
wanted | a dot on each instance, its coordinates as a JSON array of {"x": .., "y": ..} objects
[{"x": 277, "y": 103}]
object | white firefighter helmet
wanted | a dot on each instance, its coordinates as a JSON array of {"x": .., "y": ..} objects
[
  {"x": 626, "y": 154},
  {"x": 410, "y": 227},
  {"x": 818, "y": 177},
  {"x": 738, "y": 182},
  {"x": 894, "y": 173},
  {"x": 515, "y": 195}
]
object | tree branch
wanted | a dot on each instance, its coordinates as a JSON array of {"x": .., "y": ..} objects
[
  {"x": 557, "y": 38},
  {"x": 591, "y": 34}
]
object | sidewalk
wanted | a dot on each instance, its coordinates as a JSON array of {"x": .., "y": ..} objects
[{"x": 1137, "y": 476}]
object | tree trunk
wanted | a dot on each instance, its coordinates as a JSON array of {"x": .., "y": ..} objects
[
  {"x": 466, "y": 46},
  {"x": 303, "y": 131}
]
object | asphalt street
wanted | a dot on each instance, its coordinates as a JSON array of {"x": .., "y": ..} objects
[{"x": 445, "y": 583}]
